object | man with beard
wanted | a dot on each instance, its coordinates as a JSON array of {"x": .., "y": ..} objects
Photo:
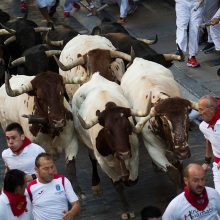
[
  {"x": 196, "y": 201},
  {"x": 50, "y": 192}
]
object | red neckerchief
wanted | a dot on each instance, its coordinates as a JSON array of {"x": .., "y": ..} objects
[
  {"x": 17, "y": 202},
  {"x": 25, "y": 144},
  {"x": 216, "y": 116},
  {"x": 199, "y": 202}
]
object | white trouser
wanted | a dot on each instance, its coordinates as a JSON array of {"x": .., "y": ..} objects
[
  {"x": 216, "y": 176},
  {"x": 45, "y": 3},
  {"x": 68, "y": 5},
  {"x": 187, "y": 17},
  {"x": 215, "y": 32},
  {"x": 124, "y": 7},
  {"x": 210, "y": 8}
]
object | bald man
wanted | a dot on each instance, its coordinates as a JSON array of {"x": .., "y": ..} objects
[
  {"x": 196, "y": 201},
  {"x": 209, "y": 109}
]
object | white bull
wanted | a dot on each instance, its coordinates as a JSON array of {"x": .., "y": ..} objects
[
  {"x": 100, "y": 107},
  {"x": 166, "y": 133},
  {"x": 41, "y": 98},
  {"x": 78, "y": 49}
]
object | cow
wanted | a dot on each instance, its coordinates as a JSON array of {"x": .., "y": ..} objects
[
  {"x": 88, "y": 54},
  {"x": 165, "y": 133},
  {"x": 39, "y": 100},
  {"x": 124, "y": 42},
  {"x": 102, "y": 120}
]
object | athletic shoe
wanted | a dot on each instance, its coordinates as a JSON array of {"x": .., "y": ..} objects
[
  {"x": 192, "y": 62},
  {"x": 66, "y": 14},
  {"x": 209, "y": 47},
  {"x": 23, "y": 6},
  {"x": 76, "y": 5}
]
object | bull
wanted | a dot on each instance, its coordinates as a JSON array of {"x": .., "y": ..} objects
[
  {"x": 102, "y": 118},
  {"x": 124, "y": 42},
  {"x": 86, "y": 54},
  {"x": 165, "y": 133},
  {"x": 41, "y": 99},
  {"x": 35, "y": 60},
  {"x": 17, "y": 36}
]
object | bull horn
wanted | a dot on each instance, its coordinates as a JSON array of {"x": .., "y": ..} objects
[
  {"x": 118, "y": 54},
  {"x": 17, "y": 62},
  {"x": 71, "y": 79},
  {"x": 138, "y": 127},
  {"x": 149, "y": 42},
  {"x": 10, "y": 40},
  {"x": 140, "y": 113},
  {"x": 86, "y": 125},
  {"x": 11, "y": 31},
  {"x": 42, "y": 29},
  {"x": 51, "y": 53},
  {"x": 33, "y": 119},
  {"x": 4, "y": 32},
  {"x": 77, "y": 62},
  {"x": 171, "y": 57},
  {"x": 23, "y": 88},
  {"x": 58, "y": 43},
  {"x": 194, "y": 105}
]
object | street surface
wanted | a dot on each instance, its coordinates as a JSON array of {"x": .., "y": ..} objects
[{"x": 153, "y": 187}]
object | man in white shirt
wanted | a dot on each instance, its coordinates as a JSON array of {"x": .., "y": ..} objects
[
  {"x": 21, "y": 153},
  {"x": 197, "y": 202},
  {"x": 209, "y": 109},
  {"x": 50, "y": 193},
  {"x": 14, "y": 205}
]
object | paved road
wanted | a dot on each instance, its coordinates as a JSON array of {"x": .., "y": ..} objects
[{"x": 153, "y": 188}]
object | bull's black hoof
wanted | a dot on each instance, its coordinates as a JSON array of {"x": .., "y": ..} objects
[{"x": 218, "y": 72}]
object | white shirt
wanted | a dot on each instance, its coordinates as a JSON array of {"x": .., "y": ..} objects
[
  {"x": 213, "y": 135},
  {"x": 50, "y": 200},
  {"x": 180, "y": 209},
  {"x": 24, "y": 161},
  {"x": 6, "y": 213}
]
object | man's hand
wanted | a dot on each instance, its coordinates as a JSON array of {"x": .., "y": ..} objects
[
  {"x": 215, "y": 21},
  {"x": 67, "y": 215},
  {"x": 28, "y": 178},
  {"x": 206, "y": 167}
]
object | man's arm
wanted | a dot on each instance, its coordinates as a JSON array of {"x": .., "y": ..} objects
[
  {"x": 68, "y": 215},
  {"x": 208, "y": 154}
]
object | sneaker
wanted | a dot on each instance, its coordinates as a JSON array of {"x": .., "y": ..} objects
[
  {"x": 66, "y": 14},
  {"x": 209, "y": 47},
  {"x": 192, "y": 62},
  {"x": 23, "y": 6},
  {"x": 76, "y": 5}
]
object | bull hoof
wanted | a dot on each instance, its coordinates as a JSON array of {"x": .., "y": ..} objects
[
  {"x": 127, "y": 215},
  {"x": 97, "y": 190}
]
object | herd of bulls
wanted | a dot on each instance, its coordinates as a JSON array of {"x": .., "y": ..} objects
[{"x": 96, "y": 93}]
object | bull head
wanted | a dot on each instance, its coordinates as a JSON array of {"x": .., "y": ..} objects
[{"x": 173, "y": 124}]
